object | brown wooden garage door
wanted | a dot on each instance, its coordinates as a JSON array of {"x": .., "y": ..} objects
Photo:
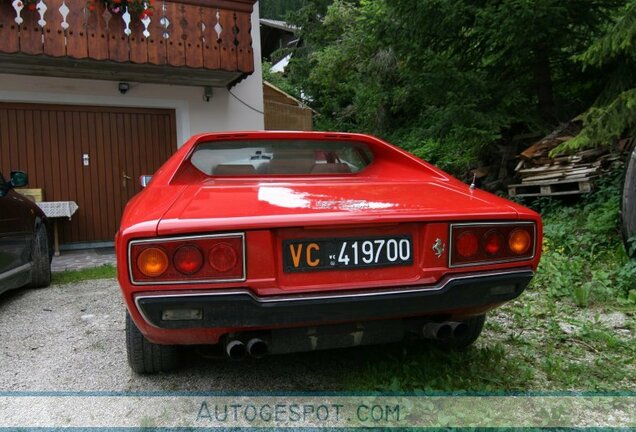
[{"x": 49, "y": 143}]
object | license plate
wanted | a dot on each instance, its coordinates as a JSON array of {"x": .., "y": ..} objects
[{"x": 301, "y": 255}]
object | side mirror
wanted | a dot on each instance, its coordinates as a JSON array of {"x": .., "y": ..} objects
[
  {"x": 19, "y": 179},
  {"x": 144, "y": 180}
]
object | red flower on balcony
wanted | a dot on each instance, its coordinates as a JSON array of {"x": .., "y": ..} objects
[
  {"x": 29, "y": 4},
  {"x": 140, "y": 8}
]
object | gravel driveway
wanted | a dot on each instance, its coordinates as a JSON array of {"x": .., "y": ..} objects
[{"x": 71, "y": 338}]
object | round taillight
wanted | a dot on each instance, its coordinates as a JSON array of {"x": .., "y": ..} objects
[
  {"x": 188, "y": 259},
  {"x": 493, "y": 242},
  {"x": 152, "y": 262},
  {"x": 222, "y": 257},
  {"x": 467, "y": 244},
  {"x": 519, "y": 241}
]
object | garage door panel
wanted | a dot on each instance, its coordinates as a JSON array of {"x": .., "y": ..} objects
[
  {"x": 48, "y": 141},
  {"x": 101, "y": 178}
]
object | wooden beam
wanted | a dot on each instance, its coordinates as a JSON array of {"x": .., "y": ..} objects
[
  {"x": 112, "y": 71},
  {"x": 233, "y": 5}
]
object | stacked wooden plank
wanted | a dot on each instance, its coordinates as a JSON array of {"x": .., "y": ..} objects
[{"x": 542, "y": 175}]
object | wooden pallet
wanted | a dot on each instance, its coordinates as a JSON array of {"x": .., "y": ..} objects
[{"x": 550, "y": 188}]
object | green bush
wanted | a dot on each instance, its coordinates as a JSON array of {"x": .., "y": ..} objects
[
  {"x": 451, "y": 154},
  {"x": 583, "y": 254}
]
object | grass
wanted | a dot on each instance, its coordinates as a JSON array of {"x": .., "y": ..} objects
[
  {"x": 531, "y": 344},
  {"x": 574, "y": 328},
  {"x": 105, "y": 271}
]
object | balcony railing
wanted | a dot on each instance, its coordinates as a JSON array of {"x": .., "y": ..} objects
[{"x": 196, "y": 42}]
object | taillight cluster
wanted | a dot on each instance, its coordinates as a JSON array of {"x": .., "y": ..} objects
[
  {"x": 488, "y": 243},
  {"x": 211, "y": 258}
]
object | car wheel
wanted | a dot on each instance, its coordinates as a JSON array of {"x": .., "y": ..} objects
[
  {"x": 628, "y": 206},
  {"x": 475, "y": 325},
  {"x": 145, "y": 356},
  {"x": 40, "y": 260}
]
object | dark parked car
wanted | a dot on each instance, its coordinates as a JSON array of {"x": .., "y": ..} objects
[{"x": 25, "y": 240}]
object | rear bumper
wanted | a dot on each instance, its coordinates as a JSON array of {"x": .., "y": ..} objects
[{"x": 241, "y": 309}]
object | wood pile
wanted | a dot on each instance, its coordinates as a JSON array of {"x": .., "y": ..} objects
[{"x": 542, "y": 175}]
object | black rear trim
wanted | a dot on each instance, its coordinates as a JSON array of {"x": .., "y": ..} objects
[{"x": 242, "y": 309}]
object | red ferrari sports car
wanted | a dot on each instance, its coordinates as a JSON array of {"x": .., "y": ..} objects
[{"x": 275, "y": 242}]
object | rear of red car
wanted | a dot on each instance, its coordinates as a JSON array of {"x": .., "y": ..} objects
[{"x": 280, "y": 242}]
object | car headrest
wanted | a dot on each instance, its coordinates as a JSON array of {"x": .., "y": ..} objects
[
  {"x": 290, "y": 166},
  {"x": 331, "y": 168},
  {"x": 229, "y": 170}
]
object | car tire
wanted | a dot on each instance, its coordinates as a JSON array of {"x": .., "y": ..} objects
[
  {"x": 145, "y": 357},
  {"x": 475, "y": 326},
  {"x": 40, "y": 259},
  {"x": 628, "y": 205}
]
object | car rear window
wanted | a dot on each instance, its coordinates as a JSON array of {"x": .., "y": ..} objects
[{"x": 280, "y": 157}]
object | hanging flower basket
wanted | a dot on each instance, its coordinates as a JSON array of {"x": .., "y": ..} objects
[
  {"x": 31, "y": 5},
  {"x": 139, "y": 8}
]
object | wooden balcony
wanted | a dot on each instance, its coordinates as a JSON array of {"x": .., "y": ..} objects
[{"x": 186, "y": 42}]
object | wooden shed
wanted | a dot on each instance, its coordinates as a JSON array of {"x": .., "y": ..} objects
[{"x": 285, "y": 112}]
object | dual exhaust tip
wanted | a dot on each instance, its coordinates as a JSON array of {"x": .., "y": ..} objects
[
  {"x": 257, "y": 348},
  {"x": 237, "y": 350},
  {"x": 445, "y": 330}
]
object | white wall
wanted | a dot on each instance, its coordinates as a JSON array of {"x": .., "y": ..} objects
[{"x": 193, "y": 115}]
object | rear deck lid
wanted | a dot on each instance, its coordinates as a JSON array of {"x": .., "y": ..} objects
[{"x": 242, "y": 204}]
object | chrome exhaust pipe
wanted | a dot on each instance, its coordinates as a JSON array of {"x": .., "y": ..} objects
[
  {"x": 437, "y": 331},
  {"x": 257, "y": 348},
  {"x": 235, "y": 350},
  {"x": 460, "y": 329}
]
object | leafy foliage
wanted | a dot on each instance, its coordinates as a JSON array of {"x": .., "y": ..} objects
[
  {"x": 452, "y": 75},
  {"x": 615, "y": 110},
  {"x": 278, "y": 9},
  {"x": 583, "y": 256},
  {"x": 279, "y": 81}
]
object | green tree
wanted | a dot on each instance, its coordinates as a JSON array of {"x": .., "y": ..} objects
[
  {"x": 278, "y": 9},
  {"x": 614, "y": 112},
  {"x": 447, "y": 78}
]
